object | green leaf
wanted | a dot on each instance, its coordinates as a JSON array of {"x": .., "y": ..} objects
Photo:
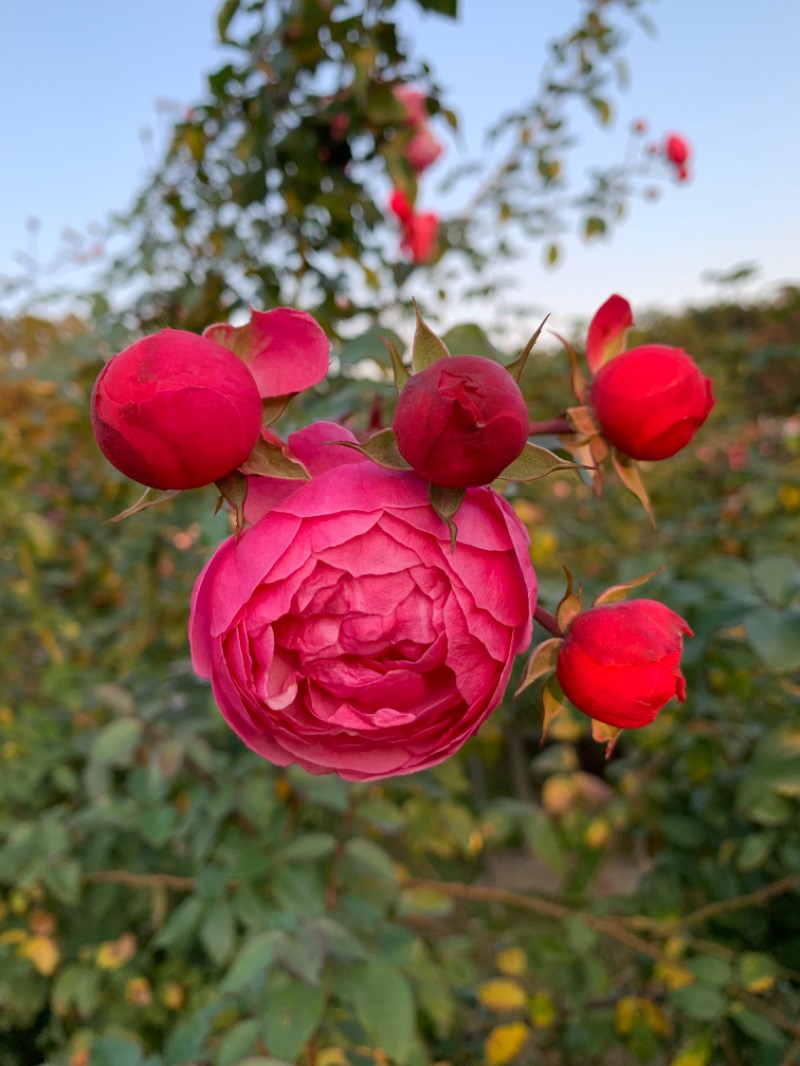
[
  {"x": 449, "y": 8},
  {"x": 63, "y": 878},
  {"x": 427, "y": 902},
  {"x": 369, "y": 346},
  {"x": 542, "y": 839},
  {"x": 756, "y": 1026},
  {"x": 114, "y": 1051},
  {"x": 218, "y": 931},
  {"x": 292, "y": 1011},
  {"x": 226, "y": 13},
  {"x": 775, "y": 637},
  {"x": 710, "y": 970},
  {"x": 703, "y": 1002},
  {"x": 237, "y": 1042},
  {"x": 115, "y": 743},
  {"x": 309, "y": 847},
  {"x": 580, "y": 936},
  {"x": 384, "y": 1006},
  {"x": 181, "y": 924},
  {"x": 534, "y": 463},
  {"x": 371, "y": 857},
  {"x": 429, "y": 348},
  {"x": 777, "y": 577},
  {"x": 252, "y": 960},
  {"x": 469, "y": 339}
]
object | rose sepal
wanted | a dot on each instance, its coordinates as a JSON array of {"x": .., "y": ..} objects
[{"x": 149, "y": 498}]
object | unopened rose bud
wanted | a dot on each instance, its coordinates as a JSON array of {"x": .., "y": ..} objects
[
  {"x": 461, "y": 421},
  {"x": 650, "y": 401},
  {"x": 420, "y": 236},
  {"x": 677, "y": 149},
  {"x": 423, "y": 150},
  {"x": 176, "y": 411},
  {"x": 620, "y": 663}
]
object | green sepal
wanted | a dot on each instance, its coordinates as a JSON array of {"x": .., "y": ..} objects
[
  {"x": 533, "y": 463},
  {"x": 578, "y": 381},
  {"x": 517, "y": 367},
  {"x": 616, "y": 593},
  {"x": 570, "y": 604},
  {"x": 542, "y": 661},
  {"x": 381, "y": 448},
  {"x": 445, "y": 503},
  {"x": 233, "y": 489},
  {"x": 149, "y": 498},
  {"x": 273, "y": 407},
  {"x": 553, "y": 702},
  {"x": 606, "y": 734},
  {"x": 399, "y": 369},
  {"x": 630, "y": 477},
  {"x": 428, "y": 348},
  {"x": 270, "y": 458}
]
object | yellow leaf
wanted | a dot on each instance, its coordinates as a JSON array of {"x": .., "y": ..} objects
[
  {"x": 654, "y": 1017},
  {"x": 173, "y": 996},
  {"x": 597, "y": 833},
  {"x": 504, "y": 1043},
  {"x": 138, "y": 992},
  {"x": 114, "y": 954},
  {"x": 543, "y": 1010},
  {"x": 42, "y": 952},
  {"x": 13, "y": 936},
  {"x": 626, "y": 1014},
  {"x": 502, "y": 994},
  {"x": 673, "y": 976},
  {"x": 330, "y": 1056},
  {"x": 698, "y": 1053},
  {"x": 511, "y": 961}
]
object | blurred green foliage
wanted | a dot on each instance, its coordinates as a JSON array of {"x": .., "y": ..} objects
[{"x": 167, "y": 898}]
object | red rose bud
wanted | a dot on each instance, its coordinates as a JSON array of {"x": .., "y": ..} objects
[
  {"x": 620, "y": 663},
  {"x": 420, "y": 236},
  {"x": 175, "y": 411},
  {"x": 461, "y": 421},
  {"x": 650, "y": 401},
  {"x": 414, "y": 102},
  {"x": 677, "y": 150},
  {"x": 423, "y": 150},
  {"x": 400, "y": 205}
]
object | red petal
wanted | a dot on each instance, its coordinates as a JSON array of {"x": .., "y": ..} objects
[{"x": 606, "y": 336}]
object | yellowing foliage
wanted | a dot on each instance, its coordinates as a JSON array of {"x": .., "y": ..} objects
[
  {"x": 502, "y": 994},
  {"x": 511, "y": 961},
  {"x": 504, "y": 1043},
  {"x": 114, "y": 954},
  {"x": 42, "y": 953},
  {"x": 542, "y": 1010}
]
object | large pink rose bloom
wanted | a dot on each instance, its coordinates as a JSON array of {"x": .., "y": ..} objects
[{"x": 341, "y": 633}]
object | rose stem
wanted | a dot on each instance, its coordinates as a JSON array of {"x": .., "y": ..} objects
[
  {"x": 552, "y": 425},
  {"x": 548, "y": 621}
]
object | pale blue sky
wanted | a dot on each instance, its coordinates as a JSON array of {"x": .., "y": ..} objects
[{"x": 79, "y": 80}]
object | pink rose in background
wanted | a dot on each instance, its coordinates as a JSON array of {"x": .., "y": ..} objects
[
  {"x": 420, "y": 236},
  {"x": 175, "y": 411},
  {"x": 414, "y": 105},
  {"x": 678, "y": 152},
  {"x": 423, "y": 150},
  {"x": 342, "y": 634}
]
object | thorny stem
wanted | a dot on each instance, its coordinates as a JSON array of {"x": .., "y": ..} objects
[
  {"x": 550, "y": 426},
  {"x": 548, "y": 621}
]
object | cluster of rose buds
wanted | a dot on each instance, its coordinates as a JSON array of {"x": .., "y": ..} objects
[
  {"x": 365, "y": 616},
  {"x": 419, "y": 231}
]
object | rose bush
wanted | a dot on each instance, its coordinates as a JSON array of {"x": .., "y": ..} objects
[
  {"x": 620, "y": 663},
  {"x": 341, "y": 633},
  {"x": 461, "y": 421},
  {"x": 175, "y": 411},
  {"x": 650, "y": 401}
]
